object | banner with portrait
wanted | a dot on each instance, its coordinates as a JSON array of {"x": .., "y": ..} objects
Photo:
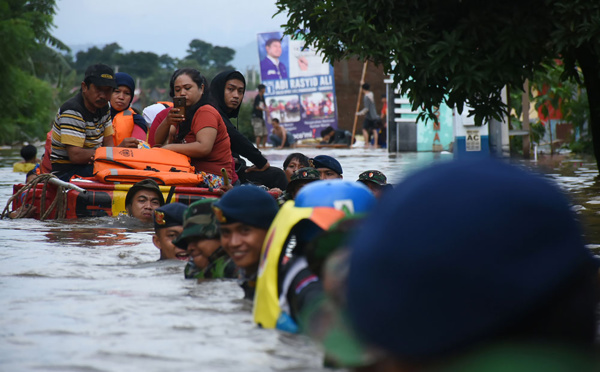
[{"x": 300, "y": 89}]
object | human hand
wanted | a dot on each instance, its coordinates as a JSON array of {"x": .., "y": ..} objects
[
  {"x": 254, "y": 169},
  {"x": 129, "y": 142},
  {"x": 174, "y": 117},
  {"x": 303, "y": 63}
]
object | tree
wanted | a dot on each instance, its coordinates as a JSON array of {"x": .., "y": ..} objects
[
  {"x": 200, "y": 51},
  {"x": 458, "y": 51},
  {"x": 29, "y": 54}
]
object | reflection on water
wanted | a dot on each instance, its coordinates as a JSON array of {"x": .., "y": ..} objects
[{"x": 90, "y": 295}]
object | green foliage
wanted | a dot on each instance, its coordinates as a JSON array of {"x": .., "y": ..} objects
[
  {"x": 244, "y": 121},
  {"x": 457, "y": 51},
  {"x": 30, "y": 65},
  {"x": 210, "y": 56},
  {"x": 30, "y": 114}
]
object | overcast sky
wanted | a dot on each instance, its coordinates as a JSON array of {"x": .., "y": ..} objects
[{"x": 164, "y": 27}]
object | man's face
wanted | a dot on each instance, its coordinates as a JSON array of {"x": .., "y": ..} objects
[
  {"x": 293, "y": 166},
  {"x": 234, "y": 93},
  {"x": 328, "y": 174},
  {"x": 96, "y": 96},
  {"x": 200, "y": 250},
  {"x": 163, "y": 239},
  {"x": 243, "y": 244},
  {"x": 274, "y": 50},
  {"x": 143, "y": 204},
  {"x": 121, "y": 97}
]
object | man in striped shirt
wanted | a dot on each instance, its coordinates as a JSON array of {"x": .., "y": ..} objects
[{"x": 83, "y": 124}]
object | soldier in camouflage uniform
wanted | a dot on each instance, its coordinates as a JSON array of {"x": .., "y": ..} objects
[
  {"x": 375, "y": 181},
  {"x": 201, "y": 238},
  {"x": 299, "y": 178}
]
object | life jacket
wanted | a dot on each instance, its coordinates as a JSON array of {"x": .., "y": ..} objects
[
  {"x": 155, "y": 159},
  {"x": 136, "y": 175},
  {"x": 46, "y": 165},
  {"x": 270, "y": 302},
  {"x": 122, "y": 125}
]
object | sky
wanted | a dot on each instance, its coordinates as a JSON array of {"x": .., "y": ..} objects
[{"x": 164, "y": 27}]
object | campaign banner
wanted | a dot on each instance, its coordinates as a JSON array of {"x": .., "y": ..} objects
[{"x": 300, "y": 89}]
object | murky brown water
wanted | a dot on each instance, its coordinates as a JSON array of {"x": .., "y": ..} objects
[{"x": 89, "y": 295}]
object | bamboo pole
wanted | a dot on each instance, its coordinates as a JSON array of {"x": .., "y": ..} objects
[{"x": 362, "y": 81}]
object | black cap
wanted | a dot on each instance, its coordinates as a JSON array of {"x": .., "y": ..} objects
[
  {"x": 148, "y": 184},
  {"x": 101, "y": 75}
]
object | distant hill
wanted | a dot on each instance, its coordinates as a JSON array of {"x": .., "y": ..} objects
[{"x": 246, "y": 57}]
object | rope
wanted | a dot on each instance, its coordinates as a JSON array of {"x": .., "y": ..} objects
[{"x": 59, "y": 203}]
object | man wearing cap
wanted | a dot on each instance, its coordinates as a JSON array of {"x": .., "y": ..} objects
[
  {"x": 83, "y": 124},
  {"x": 142, "y": 199},
  {"x": 328, "y": 167},
  {"x": 300, "y": 178},
  {"x": 244, "y": 215},
  {"x": 375, "y": 181},
  {"x": 201, "y": 239},
  {"x": 168, "y": 221}
]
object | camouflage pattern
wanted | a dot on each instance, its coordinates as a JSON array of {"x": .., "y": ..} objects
[
  {"x": 198, "y": 221},
  {"x": 373, "y": 176},
  {"x": 220, "y": 267},
  {"x": 307, "y": 175}
]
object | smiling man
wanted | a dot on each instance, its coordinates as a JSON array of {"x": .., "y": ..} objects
[
  {"x": 142, "y": 199},
  {"x": 244, "y": 215}
]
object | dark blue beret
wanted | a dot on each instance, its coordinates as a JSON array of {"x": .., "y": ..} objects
[{"x": 247, "y": 204}]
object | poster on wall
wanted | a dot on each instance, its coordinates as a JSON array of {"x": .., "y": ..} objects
[{"x": 300, "y": 87}]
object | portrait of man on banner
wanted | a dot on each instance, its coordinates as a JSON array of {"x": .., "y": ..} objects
[{"x": 273, "y": 53}]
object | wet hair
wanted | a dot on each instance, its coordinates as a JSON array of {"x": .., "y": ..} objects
[
  {"x": 28, "y": 152},
  {"x": 261, "y": 86},
  {"x": 327, "y": 131},
  {"x": 275, "y": 120},
  {"x": 302, "y": 159},
  {"x": 366, "y": 86},
  {"x": 271, "y": 41},
  {"x": 194, "y": 74}
]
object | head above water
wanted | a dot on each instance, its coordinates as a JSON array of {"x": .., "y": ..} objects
[
  {"x": 293, "y": 162},
  {"x": 29, "y": 153},
  {"x": 507, "y": 260},
  {"x": 142, "y": 199},
  {"x": 329, "y": 167}
]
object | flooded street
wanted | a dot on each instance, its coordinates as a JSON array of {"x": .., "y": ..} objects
[{"x": 90, "y": 295}]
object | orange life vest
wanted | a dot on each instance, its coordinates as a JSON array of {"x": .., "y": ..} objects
[
  {"x": 122, "y": 125},
  {"x": 135, "y": 175},
  {"x": 155, "y": 159}
]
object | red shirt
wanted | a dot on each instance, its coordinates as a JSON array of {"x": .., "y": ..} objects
[{"x": 220, "y": 156}]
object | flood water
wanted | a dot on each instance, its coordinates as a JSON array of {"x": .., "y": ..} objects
[{"x": 90, "y": 295}]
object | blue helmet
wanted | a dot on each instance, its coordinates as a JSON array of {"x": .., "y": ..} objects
[{"x": 350, "y": 197}]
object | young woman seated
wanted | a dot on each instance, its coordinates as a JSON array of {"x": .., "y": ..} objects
[{"x": 199, "y": 132}]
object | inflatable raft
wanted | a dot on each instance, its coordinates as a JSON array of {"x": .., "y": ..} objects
[{"x": 86, "y": 198}]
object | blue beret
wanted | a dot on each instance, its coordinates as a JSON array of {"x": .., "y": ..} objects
[
  {"x": 457, "y": 253},
  {"x": 169, "y": 215},
  {"x": 247, "y": 204},
  {"x": 324, "y": 161}
]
